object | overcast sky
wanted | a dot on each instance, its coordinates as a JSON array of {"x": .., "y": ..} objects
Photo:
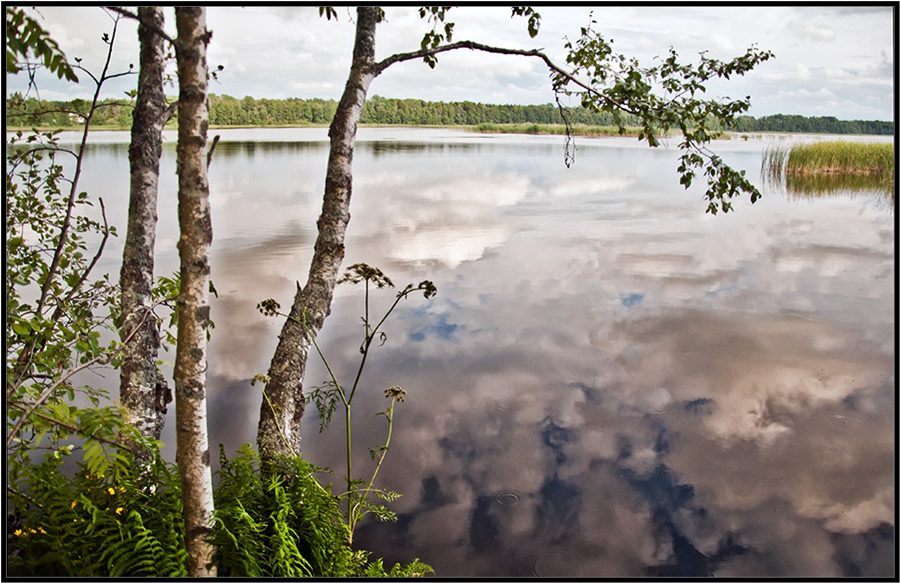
[{"x": 830, "y": 60}]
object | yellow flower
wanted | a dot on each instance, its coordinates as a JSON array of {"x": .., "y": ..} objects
[
  {"x": 41, "y": 529},
  {"x": 19, "y": 532},
  {"x": 121, "y": 489},
  {"x": 119, "y": 510},
  {"x": 74, "y": 503},
  {"x": 111, "y": 490}
]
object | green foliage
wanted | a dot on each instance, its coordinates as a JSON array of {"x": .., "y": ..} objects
[
  {"x": 56, "y": 311},
  {"x": 228, "y": 111},
  {"x": 266, "y": 524},
  {"x": 608, "y": 81},
  {"x": 359, "y": 493},
  {"x": 437, "y": 35},
  {"x": 328, "y": 12},
  {"x": 831, "y": 157},
  {"x": 166, "y": 291},
  {"x": 556, "y": 129},
  {"x": 826, "y": 167},
  {"x": 414, "y": 569},
  {"x": 811, "y": 125},
  {"x": 32, "y": 112},
  {"x": 282, "y": 523},
  {"x": 98, "y": 525},
  {"x": 843, "y": 158},
  {"x": 24, "y": 35},
  {"x": 534, "y": 19}
]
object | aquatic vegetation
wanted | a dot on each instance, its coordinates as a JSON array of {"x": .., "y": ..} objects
[
  {"x": 550, "y": 129},
  {"x": 832, "y": 167},
  {"x": 831, "y": 157}
]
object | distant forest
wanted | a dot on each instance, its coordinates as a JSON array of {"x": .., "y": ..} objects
[{"x": 229, "y": 111}]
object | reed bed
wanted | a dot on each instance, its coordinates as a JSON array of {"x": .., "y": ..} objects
[
  {"x": 831, "y": 157},
  {"x": 550, "y": 129}
]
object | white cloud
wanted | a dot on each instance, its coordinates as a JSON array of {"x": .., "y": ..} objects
[
  {"x": 837, "y": 73},
  {"x": 806, "y": 94},
  {"x": 799, "y": 72},
  {"x": 291, "y": 51},
  {"x": 813, "y": 32}
]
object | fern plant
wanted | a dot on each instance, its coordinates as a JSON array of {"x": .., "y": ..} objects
[
  {"x": 93, "y": 525},
  {"x": 280, "y": 523},
  {"x": 284, "y": 523}
]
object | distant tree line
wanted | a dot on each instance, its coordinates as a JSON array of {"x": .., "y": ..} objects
[
  {"x": 31, "y": 112},
  {"x": 225, "y": 110},
  {"x": 812, "y": 125}
]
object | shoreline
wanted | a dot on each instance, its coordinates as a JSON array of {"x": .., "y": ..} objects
[{"x": 584, "y": 131}]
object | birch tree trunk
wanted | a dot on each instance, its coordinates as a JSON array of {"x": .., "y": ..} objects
[
  {"x": 283, "y": 403},
  {"x": 192, "y": 440},
  {"x": 143, "y": 389}
]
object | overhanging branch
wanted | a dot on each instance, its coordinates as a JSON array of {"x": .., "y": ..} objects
[
  {"x": 149, "y": 25},
  {"x": 400, "y": 57}
]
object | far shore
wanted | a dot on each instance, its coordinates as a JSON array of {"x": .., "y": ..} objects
[{"x": 584, "y": 131}]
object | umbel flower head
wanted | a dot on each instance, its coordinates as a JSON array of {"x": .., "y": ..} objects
[
  {"x": 363, "y": 272},
  {"x": 394, "y": 392},
  {"x": 268, "y": 307}
]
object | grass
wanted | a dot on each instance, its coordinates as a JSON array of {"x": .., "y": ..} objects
[
  {"x": 550, "y": 129},
  {"x": 826, "y": 168},
  {"x": 832, "y": 157}
]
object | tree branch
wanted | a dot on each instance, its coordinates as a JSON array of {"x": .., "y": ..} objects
[
  {"x": 45, "y": 395},
  {"x": 465, "y": 44},
  {"x": 400, "y": 57},
  {"x": 149, "y": 25},
  {"x": 103, "y": 359},
  {"x": 74, "y": 429},
  {"x": 106, "y": 230},
  {"x": 64, "y": 229}
]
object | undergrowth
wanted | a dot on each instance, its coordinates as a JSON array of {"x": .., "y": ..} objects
[
  {"x": 91, "y": 525},
  {"x": 275, "y": 523},
  {"x": 831, "y": 157},
  {"x": 281, "y": 524}
]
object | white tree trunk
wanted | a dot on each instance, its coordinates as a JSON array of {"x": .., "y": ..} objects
[
  {"x": 280, "y": 414},
  {"x": 192, "y": 441},
  {"x": 143, "y": 389}
]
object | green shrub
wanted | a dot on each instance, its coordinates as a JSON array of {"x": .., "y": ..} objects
[
  {"x": 278, "y": 521},
  {"x": 91, "y": 525},
  {"x": 275, "y": 523}
]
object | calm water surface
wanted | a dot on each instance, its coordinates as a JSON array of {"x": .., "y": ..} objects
[{"x": 609, "y": 382}]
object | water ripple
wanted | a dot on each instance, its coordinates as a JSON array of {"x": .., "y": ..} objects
[
  {"x": 558, "y": 562},
  {"x": 507, "y": 498}
]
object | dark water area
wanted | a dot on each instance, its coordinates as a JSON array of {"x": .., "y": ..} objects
[{"x": 609, "y": 382}]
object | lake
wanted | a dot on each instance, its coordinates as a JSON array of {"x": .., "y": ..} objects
[{"x": 609, "y": 382}]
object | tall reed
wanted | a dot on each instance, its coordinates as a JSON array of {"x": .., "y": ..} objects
[
  {"x": 831, "y": 157},
  {"x": 550, "y": 129}
]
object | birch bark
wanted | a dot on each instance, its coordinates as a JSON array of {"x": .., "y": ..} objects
[
  {"x": 283, "y": 403},
  {"x": 192, "y": 440},
  {"x": 143, "y": 389}
]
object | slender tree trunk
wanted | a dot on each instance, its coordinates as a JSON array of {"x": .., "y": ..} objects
[
  {"x": 192, "y": 440},
  {"x": 283, "y": 404},
  {"x": 143, "y": 389}
]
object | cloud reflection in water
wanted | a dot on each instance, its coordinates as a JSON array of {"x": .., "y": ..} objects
[{"x": 609, "y": 383}]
